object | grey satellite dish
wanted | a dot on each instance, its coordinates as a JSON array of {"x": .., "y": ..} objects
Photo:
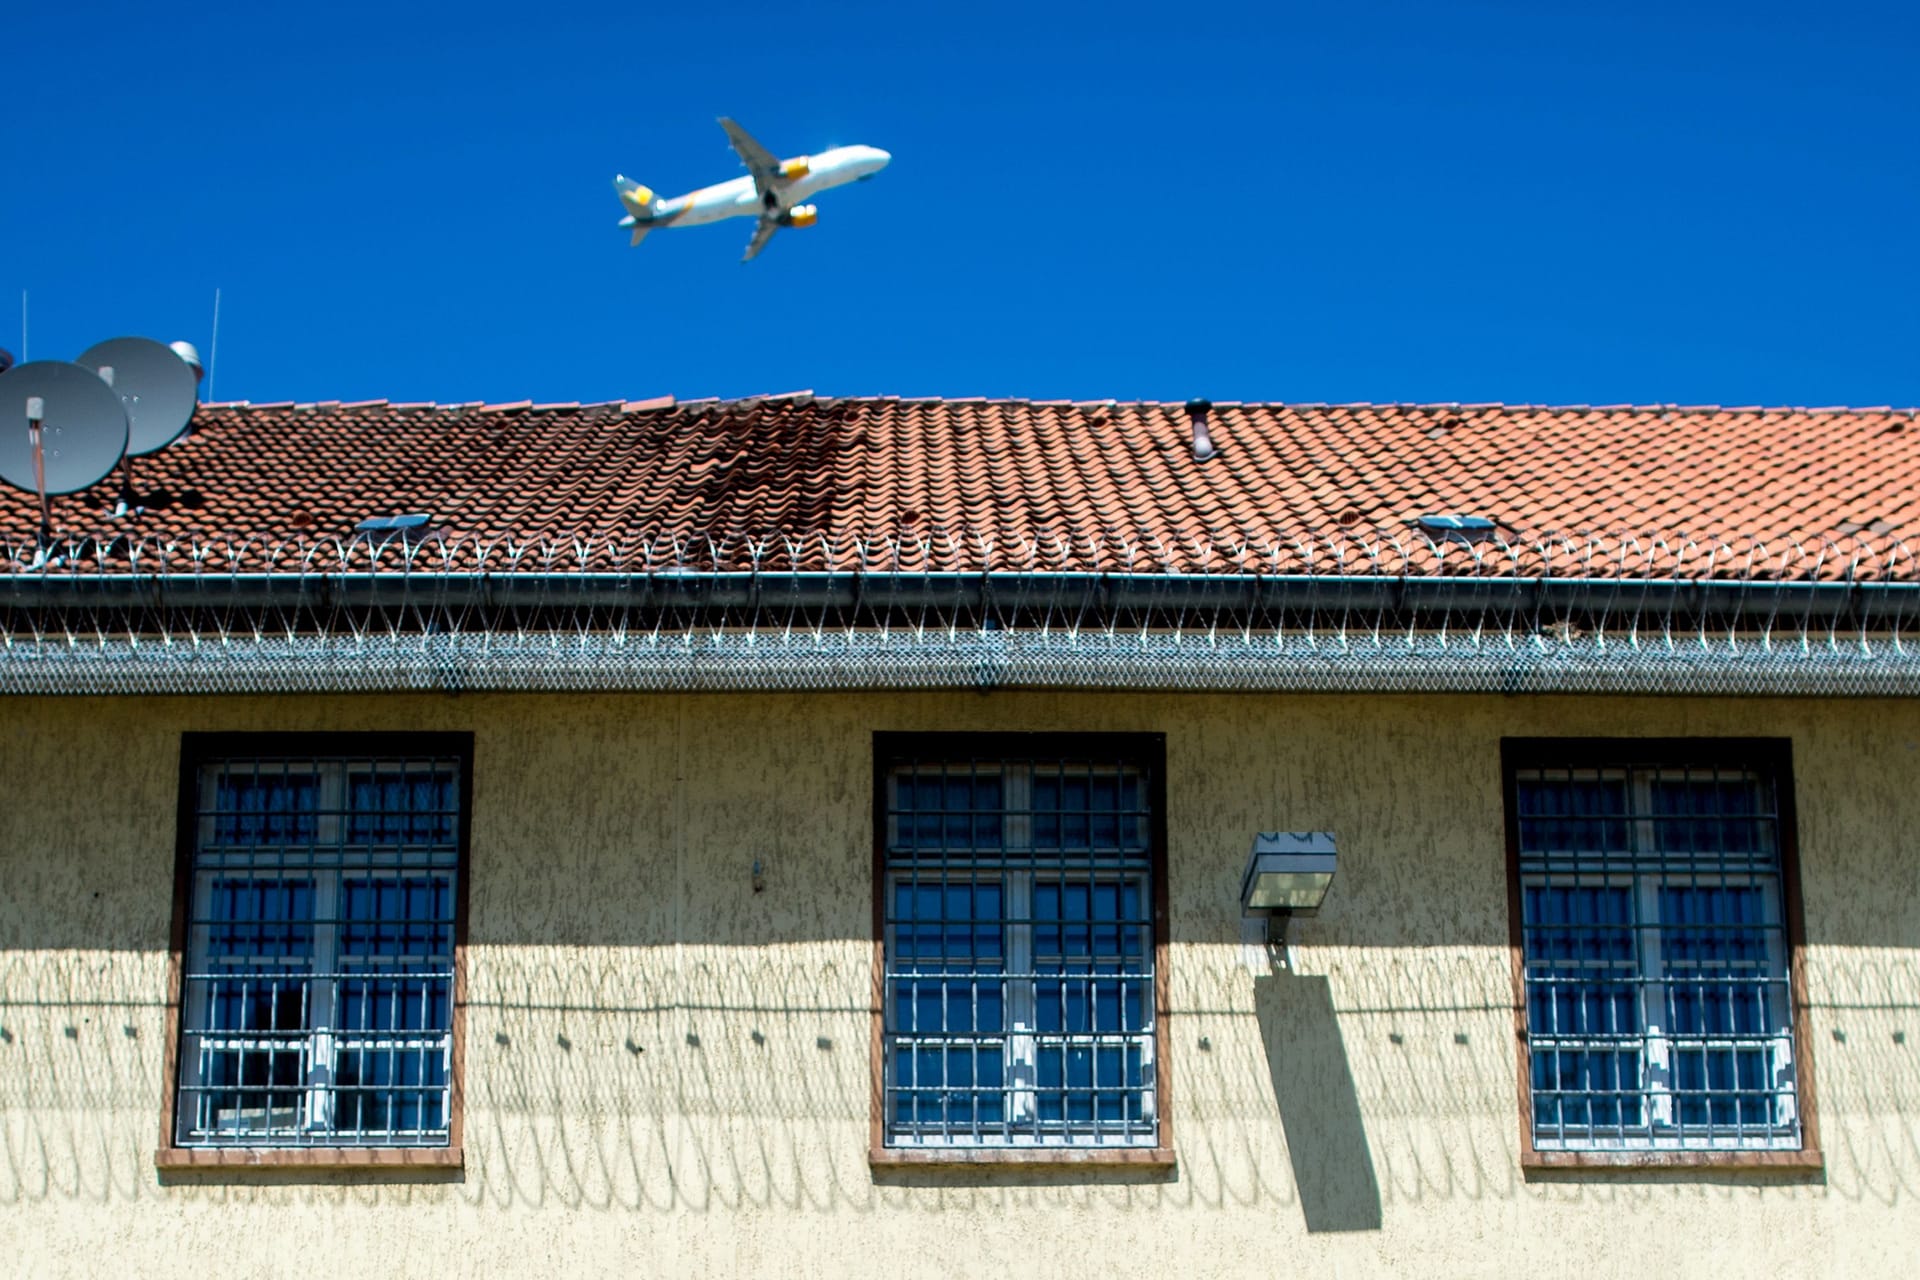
[
  {"x": 83, "y": 429},
  {"x": 157, "y": 386}
]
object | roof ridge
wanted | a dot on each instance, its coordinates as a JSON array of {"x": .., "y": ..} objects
[
  {"x": 1018, "y": 402},
  {"x": 1413, "y": 406}
]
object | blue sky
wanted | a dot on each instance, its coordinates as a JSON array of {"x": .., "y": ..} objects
[{"x": 1463, "y": 201}]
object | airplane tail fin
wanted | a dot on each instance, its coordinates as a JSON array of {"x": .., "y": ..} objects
[{"x": 640, "y": 201}]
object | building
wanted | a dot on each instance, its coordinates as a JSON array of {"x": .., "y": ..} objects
[{"x": 806, "y": 836}]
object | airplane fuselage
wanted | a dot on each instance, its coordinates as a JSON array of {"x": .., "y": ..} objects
[{"x": 736, "y": 197}]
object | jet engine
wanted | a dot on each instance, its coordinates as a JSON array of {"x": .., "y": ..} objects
[
  {"x": 803, "y": 215},
  {"x": 794, "y": 168}
]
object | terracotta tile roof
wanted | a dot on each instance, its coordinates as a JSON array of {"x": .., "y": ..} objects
[{"x": 1089, "y": 485}]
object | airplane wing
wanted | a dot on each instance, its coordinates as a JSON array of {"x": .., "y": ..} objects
[
  {"x": 760, "y": 162},
  {"x": 761, "y": 234}
]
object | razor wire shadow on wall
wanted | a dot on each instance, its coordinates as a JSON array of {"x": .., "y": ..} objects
[{"x": 734, "y": 1080}]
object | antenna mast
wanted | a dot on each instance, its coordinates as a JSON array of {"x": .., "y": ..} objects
[{"x": 213, "y": 351}]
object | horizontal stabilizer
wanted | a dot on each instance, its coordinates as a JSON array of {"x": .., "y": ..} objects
[{"x": 640, "y": 230}]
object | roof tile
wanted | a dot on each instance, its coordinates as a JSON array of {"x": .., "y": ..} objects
[{"x": 1089, "y": 477}]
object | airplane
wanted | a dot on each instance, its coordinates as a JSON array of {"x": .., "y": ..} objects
[{"x": 774, "y": 191}]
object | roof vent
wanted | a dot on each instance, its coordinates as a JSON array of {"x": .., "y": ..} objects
[
  {"x": 1452, "y": 528},
  {"x": 411, "y": 529},
  {"x": 1197, "y": 411},
  {"x": 393, "y": 524}
]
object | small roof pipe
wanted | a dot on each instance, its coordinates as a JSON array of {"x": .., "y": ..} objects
[{"x": 1197, "y": 411}]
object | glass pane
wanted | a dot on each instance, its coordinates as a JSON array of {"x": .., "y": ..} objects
[
  {"x": 254, "y": 1090},
  {"x": 1579, "y": 1009},
  {"x": 1093, "y": 808},
  {"x": 402, "y": 807},
  {"x": 954, "y": 810},
  {"x": 259, "y": 951},
  {"x": 1079, "y": 923},
  {"x": 936, "y": 1007},
  {"x": 396, "y": 954},
  {"x": 269, "y": 807},
  {"x": 949, "y": 924},
  {"x": 958, "y": 1087},
  {"x": 1715, "y": 941},
  {"x": 254, "y": 976},
  {"x": 1573, "y": 815},
  {"x": 1107, "y": 1005},
  {"x": 1574, "y": 926},
  {"x": 390, "y": 1088},
  {"x": 1712, "y": 814},
  {"x": 1723, "y": 1086},
  {"x": 1586, "y": 1089},
  {"x": 1078, "y": 1083}
]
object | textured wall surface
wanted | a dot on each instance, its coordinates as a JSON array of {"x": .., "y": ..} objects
[{"x": 667, "y": 1073}]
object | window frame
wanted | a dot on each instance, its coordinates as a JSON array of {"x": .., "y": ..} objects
[
  {"x": 1774, "y": 758},
  {"x": 1148, "y": 752},
  {"x": 199, "y": 749}
]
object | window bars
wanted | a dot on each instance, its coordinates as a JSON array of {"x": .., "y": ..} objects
[
  {"x": 1657, "y": 958},
  {"x": 317, "y": 998},
  {"x": 1019, "y": 917}
]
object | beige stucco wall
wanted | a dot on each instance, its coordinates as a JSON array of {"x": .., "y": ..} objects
[{"x": 623, "y": 1117}]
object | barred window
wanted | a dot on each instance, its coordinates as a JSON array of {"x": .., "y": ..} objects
[
  {"x": 322, "y": 889},
  {"x": 1018, "y": 883},
  {"x": 1655, "y": 945}
]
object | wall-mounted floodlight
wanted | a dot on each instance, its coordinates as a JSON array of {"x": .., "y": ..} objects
[{"x": 1288, "y": 874}]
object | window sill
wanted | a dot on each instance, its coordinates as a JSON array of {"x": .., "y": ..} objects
[
  {"x": 1056, "y": 1157},
  {"x": 182, "y": 1159},
  {"x": 1801, "y": 1161}
]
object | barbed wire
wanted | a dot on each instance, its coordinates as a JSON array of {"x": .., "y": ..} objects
[
  {"x": 1345, "y": 612},
  {"x": 1359, "y": 551}
]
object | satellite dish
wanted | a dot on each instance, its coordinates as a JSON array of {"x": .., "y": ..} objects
[
  {"x": 83, "y": 430},
  {"x": 155, "y": 383},
  {"x": 191, "y": 354}
]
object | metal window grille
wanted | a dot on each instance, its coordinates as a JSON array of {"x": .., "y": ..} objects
[
  {"x": 1659, "y": 1010},
  {"x": 317, "y": 1003},
  {"x": 1019, "y": 945}
]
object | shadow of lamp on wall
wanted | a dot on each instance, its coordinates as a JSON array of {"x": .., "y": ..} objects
[{"x": 1288, "y": 873}]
